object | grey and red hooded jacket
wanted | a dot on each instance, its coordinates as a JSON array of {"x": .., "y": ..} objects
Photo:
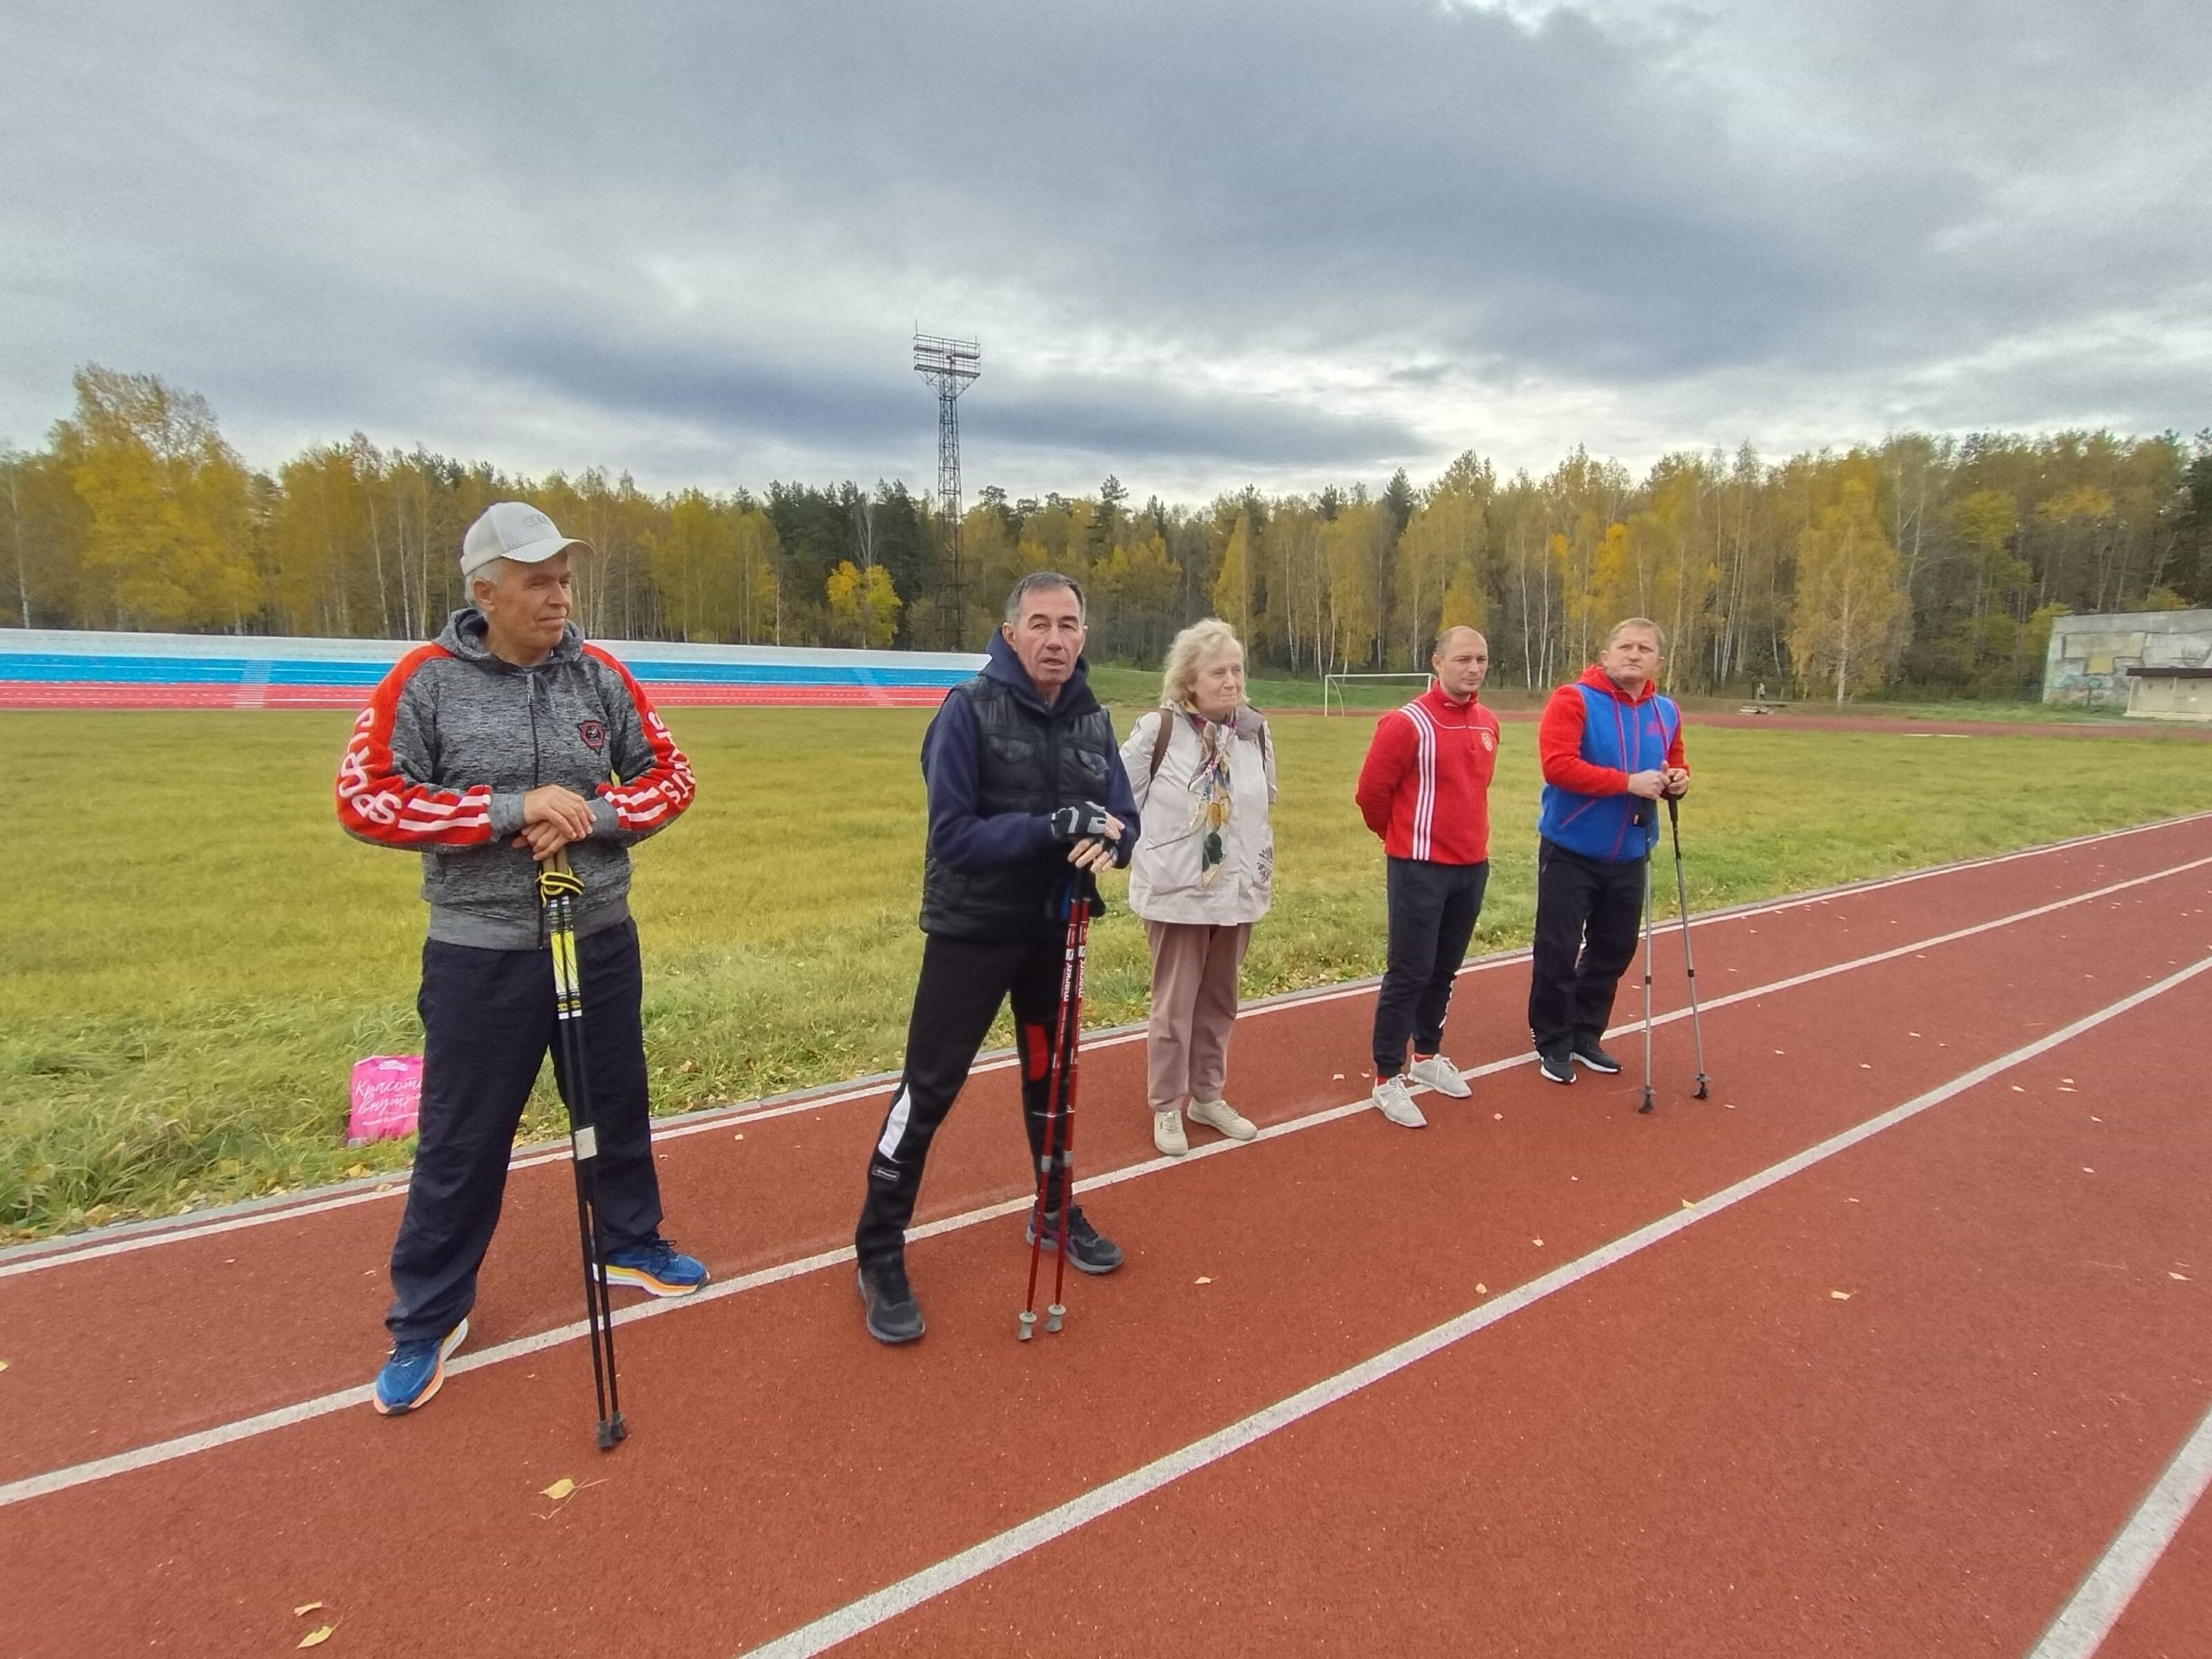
[
  {"x": 439, "y": 759},
  {"x": 1592, "y": 736}
]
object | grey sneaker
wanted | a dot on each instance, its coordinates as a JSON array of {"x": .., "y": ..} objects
[
  {"x": 1394, "y": 1103},
  {"x": 1167, "y": 1133},
  {"x": 893, "y": 1316},
  {"x": 1440, "y": 1075},
  {"x": 1220, "y": 1115}
]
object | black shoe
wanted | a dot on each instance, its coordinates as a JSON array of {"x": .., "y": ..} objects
[
  {"x": 1587, "y": 1052},
  {"x": 1089, "y": 1249},
  {"x": 894, "y": 1315},
  {"x": 1557, "y": 1065}
]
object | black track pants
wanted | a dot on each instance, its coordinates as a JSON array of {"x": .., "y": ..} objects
[
  {"x": 1433, "y": 912},
  {"x": 1587, "y": 914},
  {"x": 963, "y": 983},
  {"x": 487, "y": 1022}
]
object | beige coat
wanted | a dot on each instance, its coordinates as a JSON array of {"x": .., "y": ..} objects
[{"x": 1163, "y": 884}]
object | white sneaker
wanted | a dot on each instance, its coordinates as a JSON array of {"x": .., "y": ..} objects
[
  {"x": 1220, "y": 1115},
  {"x": 1167, "y": 1133},
  {"x": 1394, "y": 1103},
  {"x": 1440, "y": 1075}
]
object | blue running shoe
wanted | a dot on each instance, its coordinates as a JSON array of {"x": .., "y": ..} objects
[
  {"x": 657, "y": 1268},
  {"x": 415, "y": 1372}
]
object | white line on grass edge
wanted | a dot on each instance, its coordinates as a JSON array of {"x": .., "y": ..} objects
[
  {"x": 243, "y": 1428},
  {"x": 2083, "y": 1624},
  {"x": 127, "y": 1237},
  {"x": 992, "y": 1553}
]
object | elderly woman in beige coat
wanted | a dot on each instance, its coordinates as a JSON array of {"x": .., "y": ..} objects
[{"x": 1203, "y": 769}]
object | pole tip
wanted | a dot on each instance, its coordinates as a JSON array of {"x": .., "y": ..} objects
[
  {"x": 1028, "y": 1326},
  {"x": 1053, "y": 1315}
]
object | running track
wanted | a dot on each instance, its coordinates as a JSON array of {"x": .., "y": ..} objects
[{"x": 1897, "y": 1345}]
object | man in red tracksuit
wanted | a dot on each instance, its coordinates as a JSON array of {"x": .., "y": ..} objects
[{"x": 1425, "y": 789}]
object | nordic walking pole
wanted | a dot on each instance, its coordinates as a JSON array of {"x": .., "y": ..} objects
[
  {"x": 1071, "y": 1067},
  {"x": 1055, "y": 1081},
  {"x": 557, "y": 889},
  {"x": 1646, "y": 1106},
  {"x": 1682, "y": 905}
]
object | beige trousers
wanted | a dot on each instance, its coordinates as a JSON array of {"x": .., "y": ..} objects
[{"x": 1193, "y": 1005}]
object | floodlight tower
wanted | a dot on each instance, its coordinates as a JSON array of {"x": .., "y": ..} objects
[{"x": 949, "y": 365}]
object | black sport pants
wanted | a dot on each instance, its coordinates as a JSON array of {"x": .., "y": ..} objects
[
  {"x": 1433, "y": 910},
  {"x": 963, "y": 983},
  {"x": 487, "y": 1022},
  {"x": 1587, "y": 914}
]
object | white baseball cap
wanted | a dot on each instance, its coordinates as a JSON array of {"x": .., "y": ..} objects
[{"x": 512, "y": 529}]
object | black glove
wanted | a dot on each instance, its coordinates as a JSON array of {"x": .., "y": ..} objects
[{"x": 1085, "y": 822}]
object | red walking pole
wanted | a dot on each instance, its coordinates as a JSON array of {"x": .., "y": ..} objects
[{"x": 1060, "y": 1115}]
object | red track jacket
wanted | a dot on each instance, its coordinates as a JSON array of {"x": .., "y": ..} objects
[{"x": 1424, "y": 788}]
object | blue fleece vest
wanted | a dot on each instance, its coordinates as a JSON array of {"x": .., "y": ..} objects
[{"x": 1633, "y": 739}]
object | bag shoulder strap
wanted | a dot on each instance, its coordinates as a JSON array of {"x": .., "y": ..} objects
[{"x": 1159, "y": 743}]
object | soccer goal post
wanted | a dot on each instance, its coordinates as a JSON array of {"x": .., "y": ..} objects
[{"x": 1332, "y": 685}]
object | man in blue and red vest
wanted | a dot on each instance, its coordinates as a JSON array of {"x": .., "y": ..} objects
[{"x": 1610, "y": 747}]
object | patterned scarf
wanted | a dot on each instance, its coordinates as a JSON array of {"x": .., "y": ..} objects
[{"x": 1209, "y": 791}]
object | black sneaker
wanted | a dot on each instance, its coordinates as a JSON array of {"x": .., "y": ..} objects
[
  {"x": 1557, "y": 1065},
  {"x": 1089, "y": 1249},
  {"x": 894, "y": 1315},
  {"x": 1587, "y": 1052}
]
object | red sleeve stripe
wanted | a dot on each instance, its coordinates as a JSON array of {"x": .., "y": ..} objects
[
  {"x": 664, "y": 789},
  {"x": 379, "y": 803}
]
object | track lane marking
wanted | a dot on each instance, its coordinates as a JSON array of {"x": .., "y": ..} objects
[
  {"x": 28, "y": 1487},
  {"x": 857, "y": 1617},
  {"x": 2082, "y": 1625},
  {"x": 40, "y": 1256}
]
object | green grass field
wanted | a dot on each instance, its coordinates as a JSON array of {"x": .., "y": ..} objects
[{"x": 196, "y": 955}]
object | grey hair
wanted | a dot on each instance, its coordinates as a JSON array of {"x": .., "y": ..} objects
[
  {"x": 1645, "y": 623},
  {"x": 1189, "y": 649},
  {"x": 492, "y": 570},
  {"x": 1035, "y": 583}
]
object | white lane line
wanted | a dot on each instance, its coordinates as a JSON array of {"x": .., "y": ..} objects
[
  {"x": 34, "y": 1258},
  {"x": 912, "y": 1592},
  {"x": 2082, "y": 1626}
]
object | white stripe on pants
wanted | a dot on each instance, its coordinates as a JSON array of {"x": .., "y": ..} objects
[{"x": 1193, "y": 1007}]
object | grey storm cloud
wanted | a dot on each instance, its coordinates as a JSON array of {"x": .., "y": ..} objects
[{"x": 1202, "y": 245}]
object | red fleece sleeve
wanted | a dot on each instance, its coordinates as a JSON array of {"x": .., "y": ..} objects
[
  {"x": 1559, "y": 746},
  {"x": 1675, "y": 749},
  {"x": 1388, "y": 753},
  {"x": 378, "y": 800},
  {"x": 650, "y": 796}
]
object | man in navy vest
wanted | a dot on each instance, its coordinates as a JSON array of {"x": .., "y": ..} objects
[
  {"x": 1018, "y": 763},
  {"x": 1610, "y": 747}
]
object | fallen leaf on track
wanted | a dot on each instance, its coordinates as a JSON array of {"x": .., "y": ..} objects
[
  {"x": 3, "y": 1364},
  {"x": 1202, "y": 1280},
  {"x": 1690, "y": 1203},
  {"x": 559, "y": 1489},
  {"x": 315, "y": 1638},
  {"x": 1839, "y": 1295},
  {"x": 2183, "y": 1277},
  {"x": 1483, "y": 1290},
  {"x": 305, "y": 1608},
  {"x": 1535, "y": 1241}
]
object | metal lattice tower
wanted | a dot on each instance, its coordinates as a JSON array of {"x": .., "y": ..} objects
[{"x": 949, "y": 365}]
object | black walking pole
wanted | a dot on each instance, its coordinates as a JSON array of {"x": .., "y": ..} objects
[
  {"x": 1646, "y": 1106},
  {"x": 557, "y": 889},
  {"x": 1683, "y": 903}
]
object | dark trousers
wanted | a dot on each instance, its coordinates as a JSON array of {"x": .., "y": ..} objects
[
  {"x": 1433, "y": 910},
  {"x": 1587, "y": 914},
  {"x": 488, "y": 1023},
  {"x": 963, "y": 983}
]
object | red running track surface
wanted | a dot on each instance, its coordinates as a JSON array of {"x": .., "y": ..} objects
[{"x": 1695, "y": 1448}]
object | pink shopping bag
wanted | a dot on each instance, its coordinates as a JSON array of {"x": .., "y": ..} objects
[{"x": 387, "y": 1094}]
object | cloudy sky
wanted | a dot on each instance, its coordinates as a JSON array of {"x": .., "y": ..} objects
[{"x": 1203, "y": 245}]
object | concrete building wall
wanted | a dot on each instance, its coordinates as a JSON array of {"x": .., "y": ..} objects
[{"x": 2090, "y": 656}]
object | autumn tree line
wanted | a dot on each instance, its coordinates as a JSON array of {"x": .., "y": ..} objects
[{"x": 1927, "y": 565}]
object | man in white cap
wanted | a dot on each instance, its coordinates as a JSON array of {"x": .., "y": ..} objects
[{"x": 507, "y": 741}]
